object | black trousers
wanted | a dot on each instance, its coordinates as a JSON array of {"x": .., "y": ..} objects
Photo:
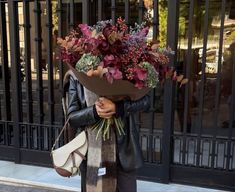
[{"x": 126, "y": 181}]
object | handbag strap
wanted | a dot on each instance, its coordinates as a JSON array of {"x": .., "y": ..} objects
[{"x": 58, "y": 137}]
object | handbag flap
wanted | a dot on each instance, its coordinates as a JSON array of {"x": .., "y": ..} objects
[{"x": 61, "y": 154}]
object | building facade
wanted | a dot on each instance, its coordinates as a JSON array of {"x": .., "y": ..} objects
[{"x": 188, "y": 136}]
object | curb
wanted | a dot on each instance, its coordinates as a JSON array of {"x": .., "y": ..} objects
[{"x": 38, "y": 185}]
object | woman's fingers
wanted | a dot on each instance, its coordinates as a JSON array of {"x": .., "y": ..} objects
[
  {"x": 106, "y": 104},
  {"x": 98, "y": 103},
  {"x": 105, "y": 108},
  {"x": 104, "y": 113}
]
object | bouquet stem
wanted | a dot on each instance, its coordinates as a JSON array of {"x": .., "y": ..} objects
[{"x": 104, "y": 127}]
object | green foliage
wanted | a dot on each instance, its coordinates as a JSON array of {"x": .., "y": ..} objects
[
  {"x": 151, "y": 78},
  {"x": 182, "y": 26},
  {"x": 162, "y": 22},
  {"x": 55, "y": 19},
  {"x": 87, "y": 62},
  {"x": 104, "y": 126}
]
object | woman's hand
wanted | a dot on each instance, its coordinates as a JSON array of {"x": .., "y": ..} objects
[{"x": 105, "y": 108}]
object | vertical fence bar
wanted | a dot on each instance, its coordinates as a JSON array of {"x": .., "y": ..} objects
[
  {"x": 71, "y": 14},
  {"x": 15, "y": 77},
  {"x": 8, "y": 131},
  {"x": 0, "y": 113},
  {"x": 50, "y": 62},
  {"x": 151, "y": 128},
  {"x": 4, "y": 58},
  {"x": 100, "y": 10},
  {"x": 50, "y": 69},
  {"x": 203, "y": 78},
  {"x": 218, "y": 82},
  {"x": 188, "y": 70},
  {"x": 28, "y": 61},
  {"x": 38, "y": 44},
  {"x": 113, "y": 10},
  {"x": 127, "y": 12},
  {"x": 141, "y": 11},
  {"x": 59, "y": 12},
  {"x": 92, "y": 12},
  {"x": 155, "y": 19},
  {"x": 85, "y": 11},
  {"x": 28, "y": 140},
  {"x": 168, "y": 105},
  {"x": 232, "y": 116}
]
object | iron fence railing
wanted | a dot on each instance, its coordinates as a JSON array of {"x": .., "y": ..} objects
[{"x": 193, "y": 148}]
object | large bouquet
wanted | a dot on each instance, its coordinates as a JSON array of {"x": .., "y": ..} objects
[{"x": 112, "y": 61}]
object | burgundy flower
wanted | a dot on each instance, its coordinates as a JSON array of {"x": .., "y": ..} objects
[
  {"x": 70, "y": 58},
  {"x": 150, "y": 58},
  {"x": 118, "y": 47},
  {"x": 107, "y": 31},
  {"x": 109, "y": 60},
  {"x": 121, "y": 53},
  {"x": 103, "y": 46},
  {"x": 91, "y": 46}
]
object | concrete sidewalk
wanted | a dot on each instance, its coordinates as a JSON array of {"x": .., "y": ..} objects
[{"x": 27, "y": 178}]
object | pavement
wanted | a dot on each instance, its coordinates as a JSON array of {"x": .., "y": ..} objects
[{"x": 28, "y": 178}]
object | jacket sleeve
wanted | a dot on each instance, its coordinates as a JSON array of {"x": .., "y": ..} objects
[
  {"x": 127, "y": 106},
  {"x": 79, "y": 116}
]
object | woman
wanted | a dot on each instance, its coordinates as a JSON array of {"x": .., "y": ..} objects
[{"x": 127, "y": 149}]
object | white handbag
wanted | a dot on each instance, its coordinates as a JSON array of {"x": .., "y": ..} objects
[{"x": 67, "y": 159}]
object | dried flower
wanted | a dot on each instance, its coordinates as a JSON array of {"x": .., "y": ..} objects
[
  {"x": 113, "y": 73},
  {"x": 123, "y": 55}
]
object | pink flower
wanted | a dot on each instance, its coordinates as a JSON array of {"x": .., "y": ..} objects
[
  {"x": 113, "y": 73},
  {"x": 109, "y": 77},
  {"x": 109, "y": 59},
  {"x": 85, "y": 30},
  {"x": 90, "y": 45},
  {"x": 143, "y": 32},
  {"x": 141, "y": 74},
  {"x": 139, "y": 84}
]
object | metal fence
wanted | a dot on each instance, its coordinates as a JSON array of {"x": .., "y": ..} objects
[{"x": 188, "y": 135}]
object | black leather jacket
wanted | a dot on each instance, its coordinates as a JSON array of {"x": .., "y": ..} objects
[{"x": 129, "y": 151}]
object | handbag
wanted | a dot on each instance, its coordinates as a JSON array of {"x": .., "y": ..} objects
[{"x": 67, "y": 159}]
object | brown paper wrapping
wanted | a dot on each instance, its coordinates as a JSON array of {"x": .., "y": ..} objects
[{"x": 115, "y": 91}]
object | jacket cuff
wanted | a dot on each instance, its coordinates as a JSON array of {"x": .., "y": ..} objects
[
  {"x": 119, "y": 109},
  {"x": 96, "y": 116}
]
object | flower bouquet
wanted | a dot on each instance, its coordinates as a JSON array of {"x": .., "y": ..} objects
[{"x": 113, "y": 61}]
